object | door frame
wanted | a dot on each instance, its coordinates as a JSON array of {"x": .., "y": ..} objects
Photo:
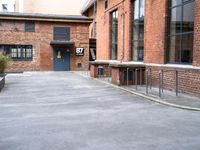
[{"x": 62, "y": 48}]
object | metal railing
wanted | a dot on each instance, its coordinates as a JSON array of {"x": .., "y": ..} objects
[{"x": 160, "y": 78}]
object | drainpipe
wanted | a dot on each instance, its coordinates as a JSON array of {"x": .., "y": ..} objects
[{"x": 123, "y": 16}]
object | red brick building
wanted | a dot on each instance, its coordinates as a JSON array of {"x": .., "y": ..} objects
[
  {"x": 45, "y": 42},
  {"x": 142, "y": 38}
]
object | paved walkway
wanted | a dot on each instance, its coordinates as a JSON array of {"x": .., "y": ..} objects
[
  {"x": 64, "y": 111},
  {"x": 167, "y": 97}
]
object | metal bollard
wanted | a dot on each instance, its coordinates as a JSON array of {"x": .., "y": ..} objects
[
  {"x": 177, "y": 83},
  {"x": 160, "y": 83},
  {"x": 150, "y": 78},
  {"x": 127, "y": 76}
]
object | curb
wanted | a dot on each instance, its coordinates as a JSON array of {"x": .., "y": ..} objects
[{"x": 145, "y": 96}]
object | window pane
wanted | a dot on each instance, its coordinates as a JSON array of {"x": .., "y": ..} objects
[
  {"x": 187, "y": 47},
  {"x": 114, "y": 34},
  {"x": 188, "y": 17},
  {"x": 175, "y": 25},
  {"x": 135, "y": 31},
  {"x": 135, "y": 51},
  {"x": 140, "y": 50},
  {"x": 14, "y": 52},
  {"x": 141, "y": 9},
  {"x": 136, "y": 10},
  {"x": 175, "y": 2},
  {"x": 174, "y": 49},
  {"x": 138, "y": 30},
  {"x": 23, "y": 52},
  {"x": 29, "y": 52}
]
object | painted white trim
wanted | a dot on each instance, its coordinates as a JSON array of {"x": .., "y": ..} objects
[{"x": 179, "y": 66}]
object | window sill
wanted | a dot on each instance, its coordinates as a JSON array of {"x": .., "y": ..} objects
[{"x": 177, "y": 66}]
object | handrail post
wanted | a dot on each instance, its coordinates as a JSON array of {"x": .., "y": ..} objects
[
  {"x": 127, "y": 76},
  {"x": 136, "y": 78},
  {"x": 150, "y": 78},
  {"x": 177, "y": 83},
  {"x": 160, "y": 82},
  {"x": 140, "y": 76},
  {"x": 147, "y": 82}
]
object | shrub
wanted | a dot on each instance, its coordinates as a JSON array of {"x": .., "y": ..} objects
[{"x": 3, "y": 62}]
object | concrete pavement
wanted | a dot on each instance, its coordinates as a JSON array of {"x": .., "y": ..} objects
[{"x": 64, "y": 111}]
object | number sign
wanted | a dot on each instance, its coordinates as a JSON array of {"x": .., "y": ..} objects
[{"x": 79, "y": 51}]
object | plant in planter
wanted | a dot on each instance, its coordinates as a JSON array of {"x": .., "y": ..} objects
[{"x": 3, "y": 64}]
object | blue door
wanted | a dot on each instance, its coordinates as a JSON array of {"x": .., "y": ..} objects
[{"x": 61, "y": 59}]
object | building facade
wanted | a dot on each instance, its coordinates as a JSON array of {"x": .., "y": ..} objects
[
  {"x": 137, "y": 40},
  {"x": 45, "y": 42},
  {"x": 7, "y": 5}
]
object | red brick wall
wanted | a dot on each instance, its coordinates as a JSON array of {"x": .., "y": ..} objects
[
  {"x": 189, "y": 80},
  {"x": 12, "y": 32},
  {"x": 155, "y": 31},
  {"x": 196, "y": 50}
]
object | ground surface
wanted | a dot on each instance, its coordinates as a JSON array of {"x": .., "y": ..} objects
[{"x": 64, "y": 111}]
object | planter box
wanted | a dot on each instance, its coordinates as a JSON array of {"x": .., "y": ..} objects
[{"x": 2, "y": 81}]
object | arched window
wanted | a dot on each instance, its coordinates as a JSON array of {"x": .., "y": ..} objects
[{"x": 181, "y": 28}]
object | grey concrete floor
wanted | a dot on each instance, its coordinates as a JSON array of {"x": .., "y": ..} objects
[{"x": 64, "y": 111}]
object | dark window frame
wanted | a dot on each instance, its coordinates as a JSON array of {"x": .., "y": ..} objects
[
  {"x": 21, "y": 55},
  {"x": 61, "y": 36},
  {"x": 181, "y": 33},
  {"x": 105, "y": 4},
  {"x": 114, "y": 38},
  {"x": 139, "y": 40},
  {"x": 29, "y": 26}
]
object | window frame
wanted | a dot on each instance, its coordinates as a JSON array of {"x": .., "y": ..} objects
[
  {"x": 8, "y": 50},
  {"x": 138, "y": 40},
  {"x": 29, "y": 23},
  {"x": 115, "y": 43},
  {"x": 181, "y": 33},
  {"x": 67, "y": 37}
]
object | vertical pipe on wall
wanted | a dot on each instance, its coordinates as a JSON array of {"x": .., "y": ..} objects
[{"x": 123, "y": 16}]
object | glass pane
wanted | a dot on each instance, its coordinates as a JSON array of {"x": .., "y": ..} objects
[
  {"x": 188, "y": 17},
  {"x": 135, "y": 31},
  {"x": 14, "y": 52},
  {"x": 136, "y": 10},
  {"x": 142, "y": 9},
  {"x": 114, "y": 52},
  {"x": 141, "y": 30},
  {"x": 140, "y": 50},
  {"x": 175, "y": 2},
  {"x": 174, "y": 49},
  {"x": 135, "y": 51},
  {"x": 19, "y": 52},
  {"x": 187, "y": 48},
  {"x": 28, "y": 52},
  {"x": 114, "y": 35},
  {"x": 175, "y": 25}
]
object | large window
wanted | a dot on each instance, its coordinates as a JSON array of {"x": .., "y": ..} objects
[
  {"x": 61, "y": 33},
  {"x": 114, "y": 35},
  {"x": 17, "y": 52},
  {"x": 181, "y": 28},
  {"x": 138, "y": 30},
  {"x": 29, "y": 26}
]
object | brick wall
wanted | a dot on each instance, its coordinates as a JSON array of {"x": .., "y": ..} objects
[
  {"x": 189, "y": 80},
  {"x": 12, "y": 32}
]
